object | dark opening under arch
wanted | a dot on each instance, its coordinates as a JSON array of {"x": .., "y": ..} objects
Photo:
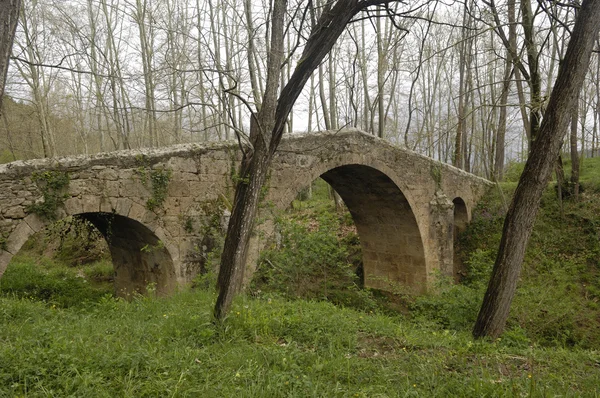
[
  {"x": 138, "y": 255},
  {"x": 391, "y": 243},
  {"x": 461, "y": 219}
]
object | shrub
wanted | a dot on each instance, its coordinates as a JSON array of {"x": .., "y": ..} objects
[{"x": 312, "y": 261}]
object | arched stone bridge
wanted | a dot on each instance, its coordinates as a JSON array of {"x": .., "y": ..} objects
[{"x": 157, "y": 207}]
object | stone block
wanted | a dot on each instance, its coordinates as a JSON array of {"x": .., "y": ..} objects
[
  {"x": 90, "y": 203},
  {"x": 137, "y": 212},
  {"x": 35, "y": 222},
  {"x": 14, "y": 212},
  {"x": 108, "y": 174},
  {"x": 5, "y": 258},
  {"x": 107, "y": 205},
  {"x": 133, "y": 188},
  {"x": 182, "y": 164},
  {"x": 179, "y": 188},
  {"x": 73, "y": 206},
  {"x": 123, "y": 206},
  {"x": 18, "y": 237},
  {"x": 84, "y": 187},
  {"x": 111, "y": 188},
  {"x": 173, "y": 225}
]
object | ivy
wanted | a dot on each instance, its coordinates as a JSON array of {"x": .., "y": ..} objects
[
  {"x": 51, "y": 184},
  {"x": 436, "y": 174},
  {"x": 160, "y": 184},
  {"x": 157, "y": 181}
]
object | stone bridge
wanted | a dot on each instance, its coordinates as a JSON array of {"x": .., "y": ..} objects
[{"x": 157, "y": 208}]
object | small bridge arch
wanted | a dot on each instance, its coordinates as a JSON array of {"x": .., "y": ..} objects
[{"x": 140, "y": 258}]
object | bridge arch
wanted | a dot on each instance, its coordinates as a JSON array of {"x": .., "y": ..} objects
[
  {"x": 139, "y": 256},
  {"x": 392, "y": 244}
]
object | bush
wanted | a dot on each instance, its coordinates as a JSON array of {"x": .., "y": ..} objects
[
  {"x": 450, "y": 306},
  {"x": 312, "y": 260}
]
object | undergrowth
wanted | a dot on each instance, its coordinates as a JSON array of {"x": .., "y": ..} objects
[
  {"x": 288, "y": 339},
  {"x": 316, "y": 256},
  {"x": 268, "y": 347}
]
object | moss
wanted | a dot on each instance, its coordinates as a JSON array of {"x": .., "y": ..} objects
[{"x": 436, "y": 174}]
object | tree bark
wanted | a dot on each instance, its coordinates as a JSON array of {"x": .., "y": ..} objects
[
  {"x": 9, "y": 16},
  {"x": 523, "y": 209}
]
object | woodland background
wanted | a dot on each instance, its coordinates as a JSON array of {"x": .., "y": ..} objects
[{"x": 463, "y": 82}]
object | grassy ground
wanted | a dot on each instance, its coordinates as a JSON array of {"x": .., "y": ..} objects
[
  {"x": 266, "y": 348},
  {"x": 62, "y": 334}
]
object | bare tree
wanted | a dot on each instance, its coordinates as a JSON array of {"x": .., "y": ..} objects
[
  {"x": 523, "y": 209},
  {"x": 9, "y": 16}
]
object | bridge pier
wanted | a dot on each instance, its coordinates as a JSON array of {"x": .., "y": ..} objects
[{"x": 442, "y": 232}]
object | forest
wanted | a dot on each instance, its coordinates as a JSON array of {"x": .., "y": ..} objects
[
  {"x": 463, "y": 82},
  {"x": 490, "y": 87}
]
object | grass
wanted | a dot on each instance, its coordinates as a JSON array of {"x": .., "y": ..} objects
[
  {"x": 268, "y": 347},
  {"x": 278, "y": 343}
]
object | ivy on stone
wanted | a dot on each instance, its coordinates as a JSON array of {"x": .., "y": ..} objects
[
  {"x": 52, "y": 185},
  {"x": 157, "y": 181}
]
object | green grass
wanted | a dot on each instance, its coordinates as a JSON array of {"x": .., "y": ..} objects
[
  {"x": 61, "y": 335},
  {"x": 55, "y": 284},
  {"x": 265, "y": 348}
]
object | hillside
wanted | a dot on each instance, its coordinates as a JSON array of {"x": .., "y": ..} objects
[{"x": 306, "y": 328}]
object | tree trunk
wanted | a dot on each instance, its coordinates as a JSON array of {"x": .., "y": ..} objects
[
  {"x": 458, "y": 160},
  {"x": 501, "y": 133},
  {"x": 523, "y": 209},
  {"x": 9, "y": 16},
  {"x": 253, "y": 174}
]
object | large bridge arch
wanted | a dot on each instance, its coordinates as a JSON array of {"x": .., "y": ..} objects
[{"x": 391, "y": 225}]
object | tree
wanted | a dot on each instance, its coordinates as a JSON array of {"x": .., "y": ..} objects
[
  {"x": 523, "y": 209},
  {"x": 267, "y": 126},
  {"x": 9, "y": 16}
]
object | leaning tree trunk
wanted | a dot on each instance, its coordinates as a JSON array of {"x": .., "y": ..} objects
[
  {"x": 9, "y": 16},
  {"x": 523, "y": 210},
  {"x": 253, "y": 174}
]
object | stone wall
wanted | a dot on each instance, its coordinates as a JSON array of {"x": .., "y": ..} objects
[{"x": 402, "y": 204}]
